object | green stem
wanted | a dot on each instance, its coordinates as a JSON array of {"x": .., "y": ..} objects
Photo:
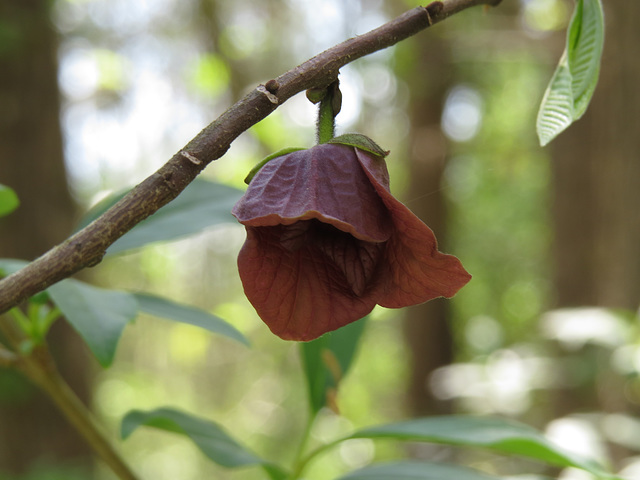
[
  {"x": 326, "y": 121},
  {"x": 327, "y": 111},
  {"x": 40, "y": 368},
  {"x": 302, "y": 463},
  {"x": 298, "y": 462},
  {"x": 45, "y": 320},
  {"x": 22, "y": 320}
]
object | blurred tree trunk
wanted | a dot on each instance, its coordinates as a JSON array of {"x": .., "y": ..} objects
[
  {"x": 597, "y": 195},
  {"x": 427, "y": 327},
  {"x": 210, "y": 25},
  {"x": 31, "y": 162},
  {"x": 597, "y": 181}
]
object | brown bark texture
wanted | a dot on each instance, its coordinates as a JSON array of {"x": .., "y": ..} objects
[{"x": 427, "y": 329}]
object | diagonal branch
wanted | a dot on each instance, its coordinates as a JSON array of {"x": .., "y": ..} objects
[{"x": 87, "y": 247}]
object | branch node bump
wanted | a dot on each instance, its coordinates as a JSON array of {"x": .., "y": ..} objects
[
  {"x": 96, "y": 260},
  {"x": 272, "y": 98},
  {"x": 433, "y": 9},
  {"x": 272, "y": 86},
  {"x": 191, "y": 158}
]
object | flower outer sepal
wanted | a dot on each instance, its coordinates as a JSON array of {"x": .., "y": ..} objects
[
  {"x": 265, "y": 160},
  {"x": 360, "y": 141}
]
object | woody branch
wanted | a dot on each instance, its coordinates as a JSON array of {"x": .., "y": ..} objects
[{"x": 87, "y": 247}]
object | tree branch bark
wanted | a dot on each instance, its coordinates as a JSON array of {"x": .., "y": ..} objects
[{"x": 87, "y": 247}]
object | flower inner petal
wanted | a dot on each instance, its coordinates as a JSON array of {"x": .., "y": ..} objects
[{"x": 355, "y": 259}]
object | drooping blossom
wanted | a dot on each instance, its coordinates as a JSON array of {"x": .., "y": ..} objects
[{"x": 326, "y": 242}]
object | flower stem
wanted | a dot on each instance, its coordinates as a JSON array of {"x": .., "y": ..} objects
[{"x": 327, "y": 111}]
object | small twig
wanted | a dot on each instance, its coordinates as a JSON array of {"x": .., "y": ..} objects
[
  {"x": 87, "y": 247},
  {"x": 40, "y": 368}
]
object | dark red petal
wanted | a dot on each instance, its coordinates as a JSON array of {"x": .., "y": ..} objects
[
  {"x": 325, "y": 182},
  {"x": 299, "y": 294},
  {"x": 413, "y": 270},
  {"x": 356, "y": 259}
]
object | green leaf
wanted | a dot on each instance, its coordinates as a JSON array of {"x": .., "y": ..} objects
[
  {"x": 8, "y": 200},
  {"x": 585, "y": 42},
  {"x": 556, "y": 110},
  {"x": 327, "y": 359},
  {"x": 504, "y": 436},
  {"x": 574, "y": 81},
  {"x": 202, "y": 204},
  {"x": 208, "y": 436},
  {"x": 165, "y": 308},
  {"x": 360, "y": 141},
  {"x": 97, "y": 314},
  {"x": 414, "y": 470}
]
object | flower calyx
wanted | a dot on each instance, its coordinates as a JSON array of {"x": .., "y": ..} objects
[
  {"x": 360, "y": 141},
  {"x": 252, "y": 173}
]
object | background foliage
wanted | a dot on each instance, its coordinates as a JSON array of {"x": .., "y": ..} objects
[{"x": 139, "y": 79}]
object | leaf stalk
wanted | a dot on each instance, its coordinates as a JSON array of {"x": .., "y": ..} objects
[{"x": 38, "y": 365}]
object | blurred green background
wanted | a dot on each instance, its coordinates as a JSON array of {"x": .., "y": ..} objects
[{"x": 95, "y": 95}]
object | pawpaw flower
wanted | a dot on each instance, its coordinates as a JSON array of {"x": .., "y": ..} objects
[{"x": 326, "y": 242}]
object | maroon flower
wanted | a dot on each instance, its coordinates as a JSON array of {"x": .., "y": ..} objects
[{"x": 326, "y": 242}]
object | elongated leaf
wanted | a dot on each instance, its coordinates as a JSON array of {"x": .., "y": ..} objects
[
  {"x": 501, "y": 435},
  {"x": 574, "y": 81},
  {"x": 165, "y": 308},
  {"x": 327, "y": 359},
  {"x": 556, "y": 110},
  {"x": 8, "y": 200},
  {"x": 97, "y": 314},
  {"x": 202, "y": 204},
  {"x": 414, "y": 470},
  {"x": 584, "y": 46},
  {"x": 208, "y": 436}
]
